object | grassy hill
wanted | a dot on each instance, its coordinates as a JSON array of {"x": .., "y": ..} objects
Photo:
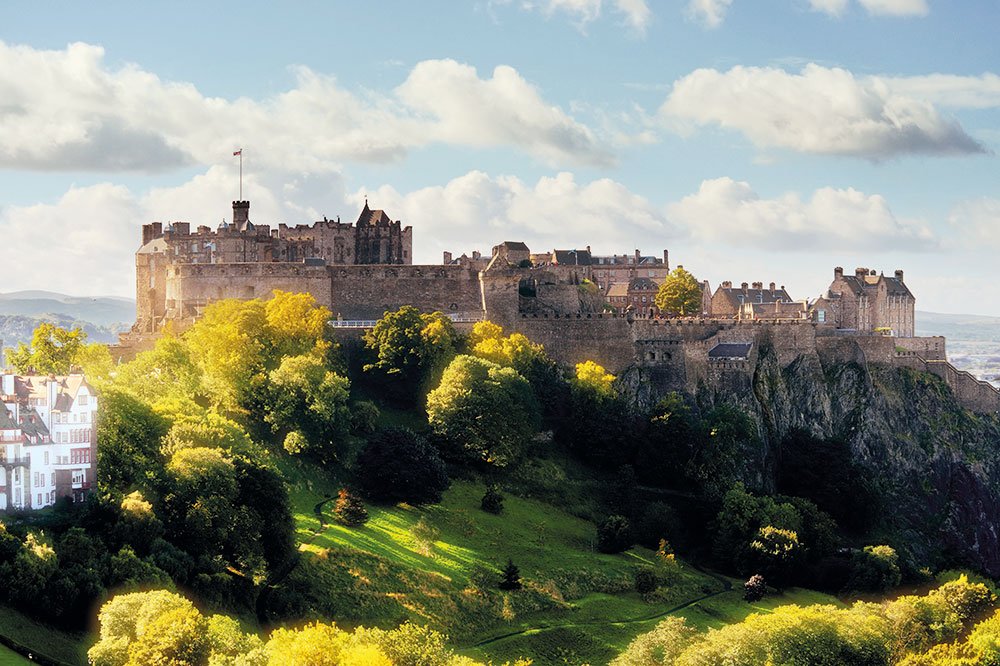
[{"x": 577, "y": 606}]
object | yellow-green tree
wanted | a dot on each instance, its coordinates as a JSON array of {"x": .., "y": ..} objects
[
  {"x": 679, "y": 294},
  {"x": 409, "y": 348},
  {"x": 53, "y": 349}
]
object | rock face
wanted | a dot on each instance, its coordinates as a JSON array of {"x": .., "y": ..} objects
[{"x": 935, "y": 465}]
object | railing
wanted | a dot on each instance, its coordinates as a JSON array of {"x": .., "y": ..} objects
[{"x": 370, "y": 323}]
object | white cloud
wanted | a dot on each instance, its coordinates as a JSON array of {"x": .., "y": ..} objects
[
  {"x": 635, "y": 13},
  {"x": 67, "y": 110},
  {"x": 977, "y": 222},
  {"x": 503, "y": 110},
  {"x": 831, "y": 7},
  {"x": 710, "y": 13},
  {"x": 896, "y": 7},
  {"x": 960, "y": 92},
  {"x": 477, "y": 211},
  {"x": 820, "y": 110},
  {"x": 729, "y": 212}
]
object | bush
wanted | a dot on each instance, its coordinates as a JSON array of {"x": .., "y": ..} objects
[
  {"x": 364, "y": 418},
  {"x": 755, "y": 588},
  {"x": 349, "y": 509},
  {"x": 492, "y": 500},
  {"x": 645, "y": 580},
  {"x": 874, "y": 569},
  {"x": 397, "y": 465},
  {"x": 614, "y": 535}
]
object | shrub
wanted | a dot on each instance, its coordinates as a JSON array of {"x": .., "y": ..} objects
[
  {"x": 614, "y": 535},
  {"x": 755, "y": 588},
  {"x": 645, "y": 580},
  {"x": 349, "y": 509},
  {"x": 492, "y": 500},
  {"x": 874, "y": 569},
  {"x": 397, "y": 465},
  {"x": 364, "y": 418}
]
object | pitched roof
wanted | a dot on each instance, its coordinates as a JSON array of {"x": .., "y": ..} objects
[
  {"x": 730, "y": 350},
  {"x": 738, "y": 296},
  {"x": 572, "y": 257},
  {"x": 7, "y": 419},
  {"x": 618, "y": 289},
  {"x": 32, "y": 424},
  {"x": 516, "y": 246},
  {"x": 642, "y": 284},
  {"x": 369, "y": 216}
]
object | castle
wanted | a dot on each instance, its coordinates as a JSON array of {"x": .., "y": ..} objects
[{"x": 580, "y": 306}]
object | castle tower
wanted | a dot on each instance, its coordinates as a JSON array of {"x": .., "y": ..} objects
[{"x": 241, "y": 214}]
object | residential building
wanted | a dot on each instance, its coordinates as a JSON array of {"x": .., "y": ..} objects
[
  {"x": 48, "y": 442},
  {"x": 868, "y": 301}
]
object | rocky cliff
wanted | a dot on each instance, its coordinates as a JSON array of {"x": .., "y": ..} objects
[{"x": 934, "y": 464}]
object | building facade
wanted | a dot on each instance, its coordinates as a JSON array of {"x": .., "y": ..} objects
[
  {"x": 48, "y": 443},
  {"x": 868, "y": 302}
]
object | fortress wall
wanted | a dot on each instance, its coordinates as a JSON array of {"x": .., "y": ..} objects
[
  {"x": 366, "y": 292},
  {"x": 930, "y": 348},
  {"x": 606, "y": 340},
  {"x": 192, "y": 286}
]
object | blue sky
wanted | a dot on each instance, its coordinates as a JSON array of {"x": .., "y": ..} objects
[{"x": 764, "y": 140}]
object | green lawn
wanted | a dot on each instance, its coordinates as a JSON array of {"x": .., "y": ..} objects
[
  {"x": 64, "y": 647},
  {"x": 10, "y": 658}
]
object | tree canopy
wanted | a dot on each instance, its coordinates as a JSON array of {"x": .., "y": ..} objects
[{"x": 679, "y": 294}]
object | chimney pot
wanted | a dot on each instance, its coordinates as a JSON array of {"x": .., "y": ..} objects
[{"x": 899, "y": 275}]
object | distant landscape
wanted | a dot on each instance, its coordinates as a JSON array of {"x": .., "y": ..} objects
[
  {"x": 102, "y": 318},
  {"x": 973, "y": 341}
]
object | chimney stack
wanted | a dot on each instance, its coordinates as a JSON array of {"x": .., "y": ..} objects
[
  {"x": 744, "y": 286},
  {"x": 838, "y": 272},
  {"x": 447, "y": 257},
  {"x": 899, "y": 275},
  {"x": 772, "y": 287},
  {"x": 860, "y": 272}
]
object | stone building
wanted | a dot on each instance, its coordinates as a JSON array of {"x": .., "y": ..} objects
[
  {"x": 172, "y": 252},
  {"x": 867, "y": 302},
  {"x": 754, "y": 301},
  {"x": 48, "y": 442}
]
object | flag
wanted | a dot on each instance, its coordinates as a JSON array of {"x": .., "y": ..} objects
[{"x": 238, "y": 152}]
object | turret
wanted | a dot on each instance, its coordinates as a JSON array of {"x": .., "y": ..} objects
[{"x": 241, "y": 214}]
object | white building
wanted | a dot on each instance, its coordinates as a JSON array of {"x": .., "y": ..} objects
[{"x": 48, "y": 447}]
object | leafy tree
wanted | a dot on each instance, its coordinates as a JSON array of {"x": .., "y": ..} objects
[
  {"x": 94, "y": 360},
  {"x": 659, "y": 647},
  {"x": 128, "y": 436},
  {"x": 364, "y": 418},
  {"x": 167, "y": 371},
  {"x": 309, "y": 398},
  {"x": 723, "y": 455},
  {"x": 739, "y": 521},
  {"x": 667, "y": 444},
  {"x": 596, "y": 426},
  {"x": 776, "y": 553},
  {"x": 614, "y": 535},
  {"x": 492, "y": 501},
  {"x": 874, "y": 569},
  {"x": 349, "y": 509},
  {"x": 397, "y": 465},
  {"x": 126, "y": 618},
  {"x": 679, "y": 294},
  {"x": 53, "y": 349},
  {"x": 488, "y": 410},
  {"x": 510, "y": 577},
  {"x": 409, "y": 347},
  {"x": 755, "y": 588}
]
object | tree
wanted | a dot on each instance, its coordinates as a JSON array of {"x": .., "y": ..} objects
[
  {"x": 874, "y": 569},
  {"x": 679, "y": 294},
  {"x": 510, "y": 577},
  {"x": 614, "y": 535},
  {"x": 349, "y": 509},
  {"x": 53, "y": 349},
  {"x": 596, "y": 426},
  {"x": 488, "y": 410},
  {"x": 308, "y": 398},
  {"x": 492, "y": 501},
  {"x": 408, "y": 347},
  {"x": 128, "y": 436},
  {"x": 645, "y": 580},
  {"x": 776, "y": 553},
  {"x": 658, "y": 647},
  {"x": 397, "y": 465}
]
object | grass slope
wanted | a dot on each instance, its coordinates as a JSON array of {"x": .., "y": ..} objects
[{"x": 41, "y": 639}]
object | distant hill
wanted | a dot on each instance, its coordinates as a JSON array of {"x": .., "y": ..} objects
[
  {"x": 960, "y": 327},
  {"x": 101, "y": 318},
  {"x": 101, "y": 311}
]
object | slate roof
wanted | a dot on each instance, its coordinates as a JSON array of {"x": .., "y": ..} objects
[
  {"x": 725, "y": 350},
  {"x": 7, "y": 419},
  {"x": 642, "y": 284},
  {"x": 737, "y": 296},
  {"x": 894, "y": 286},
  {"x": 516, "y": 246},
  {"x": 32, "y": 425},
  {"x": 618, "y": 289},
  {"x": 572, "y": 257},
  {"x": 369, "y": 216}
]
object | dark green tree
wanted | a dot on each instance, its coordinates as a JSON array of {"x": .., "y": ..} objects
[
  {"x": 510, "y": 578},
  {"x": 349, "y": 509},
  {"x": 408, "y": 347},
  {"x": 397, "y": 465},
  {"x": 492, "y": 501},
  {"x": 614, "y": 535}
]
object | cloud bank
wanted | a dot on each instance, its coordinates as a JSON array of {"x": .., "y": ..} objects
[{"x": 820, "y": 110}]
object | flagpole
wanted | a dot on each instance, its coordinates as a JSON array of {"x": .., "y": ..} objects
[{"x": 241, "y": 174}]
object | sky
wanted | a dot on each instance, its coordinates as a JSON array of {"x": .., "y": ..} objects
[{"x": 756, "y": 140}]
